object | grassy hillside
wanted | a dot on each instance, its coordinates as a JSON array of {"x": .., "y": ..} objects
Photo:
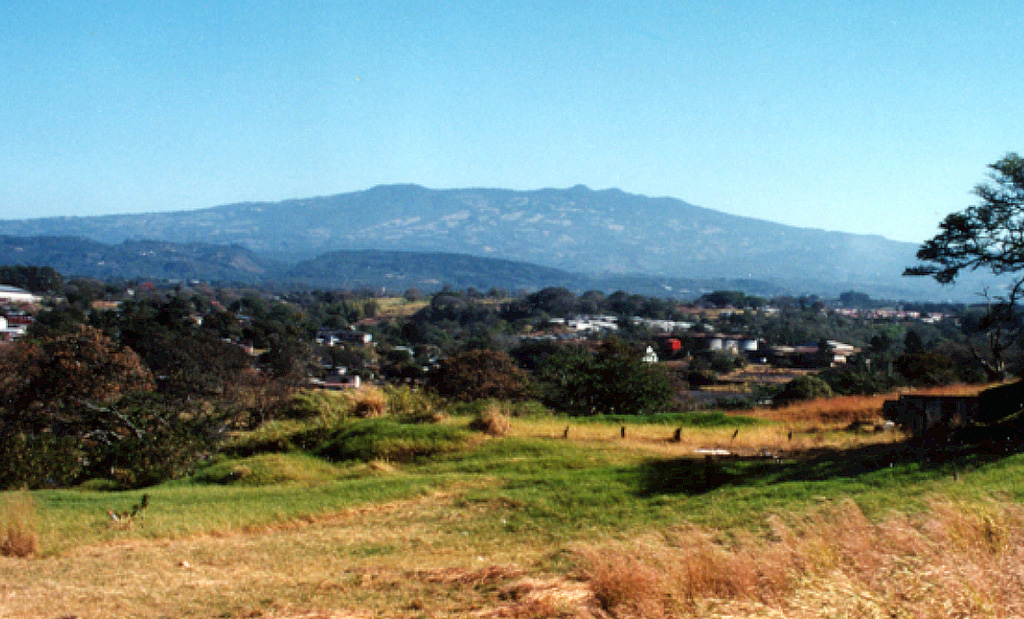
[{"x": 812, "y": 511}]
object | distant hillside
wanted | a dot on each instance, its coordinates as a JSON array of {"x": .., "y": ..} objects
[
  {"x": 578, "y": 230},
  {"x": 137, "y": 259},
  {"x": 392, "y": 271},
  {"x": 398, "y": 271}
]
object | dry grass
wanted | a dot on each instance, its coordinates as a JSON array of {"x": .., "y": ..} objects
[
  {"x": 842, "y": 411},
  {"x": 838, "y": 411},
  {"x": 19, "y": 535},
  {"x": 492, "y": 420},
  {"x": 368, "y": 402},
  {"x": 953, "y": 562},
  {"x": 401, "y": 559},
  {"x": 790, "y": 438}
]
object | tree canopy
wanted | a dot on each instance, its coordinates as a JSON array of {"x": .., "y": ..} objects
[{"x": 988, "y": 236}]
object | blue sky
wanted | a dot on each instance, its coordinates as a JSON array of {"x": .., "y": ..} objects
[{"x": 868, "y": 117}]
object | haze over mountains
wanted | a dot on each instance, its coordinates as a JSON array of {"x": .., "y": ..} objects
[{"x": 575, "y": 237}]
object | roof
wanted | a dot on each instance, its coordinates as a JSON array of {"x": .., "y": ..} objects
[{"x": 6, "y": 288}]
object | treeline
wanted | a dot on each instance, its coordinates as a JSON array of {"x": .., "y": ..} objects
[
  {"x": 134, "y": 384},
  {"x": 137, "y": 394},
  {"x": 37, "y": 280}
]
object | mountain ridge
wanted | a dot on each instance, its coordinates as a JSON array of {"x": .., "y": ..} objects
[{"x": 607, "y": 232}]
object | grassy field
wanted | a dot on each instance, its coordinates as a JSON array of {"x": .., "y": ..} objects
[{"x": 819, "y": 511}]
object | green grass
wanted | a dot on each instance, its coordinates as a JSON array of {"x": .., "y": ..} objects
[
  {"x": 71, "y": 518},
  {"x": 389, "y": 511},
  {"x": 549, "y": 489},
  {"x": 358, "y": 439},
  {"x": 387, "y": 439},
  {"x": 268, "y": 470}
]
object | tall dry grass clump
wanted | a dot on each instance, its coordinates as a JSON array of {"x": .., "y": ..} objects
[
  {"x": 492, "y": 420},
  {"x": 956, "y": 561},
  {"x": 368, "y": 402},
  {"x": 19, "y": 536}
]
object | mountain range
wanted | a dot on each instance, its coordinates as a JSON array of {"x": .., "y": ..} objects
[{"x": 411, "y": 235}]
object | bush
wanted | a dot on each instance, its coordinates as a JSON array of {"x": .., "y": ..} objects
[
  {"x": 282, "y": 436},
  {"x": 852, "y": 380},
  {"x": 615, "y": 380},
  {"x": 368, "y": 402},
  {"x": 39, "y": 460},
  {"x": 726, "y": 362},
  {"x": 492, "y": 420},
  {"x": 311, "y": 403},
  {"x": 160, "y": 440},
  {"x": 927, "y": 369},
  {"x": 412, "y": 405},
  {"x": 807, "y": 387},
  {"x": 18, "y": 534}
]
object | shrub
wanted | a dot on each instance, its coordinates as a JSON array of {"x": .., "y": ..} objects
[
  {"x": 807, "y": 387},
  {"x": 853, "y": 380},
  {"x": 267, "y": 469},
  {"x": 492, "y": 420},
  {"x": 726, "y": 362},
  {"x": 18, "y": 535},
  {"x": 39, "y": 460},
  {"x": 311, "y": 403},
  {"x": 160, "y": 440},
  {"x": 412, "y": 405},
  {"x": 615, "y": 380},
  {"x": 368, "y": 402},
  {"x": 281, "y": 436}
]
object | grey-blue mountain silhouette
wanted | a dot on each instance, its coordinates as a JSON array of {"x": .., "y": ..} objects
[{"x": 593, "y": 234}]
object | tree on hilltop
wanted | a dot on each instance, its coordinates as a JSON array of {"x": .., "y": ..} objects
[{"x": 988, "y": 236}]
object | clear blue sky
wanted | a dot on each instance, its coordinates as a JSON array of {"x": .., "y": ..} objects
[{"x": 870, "y": 117}]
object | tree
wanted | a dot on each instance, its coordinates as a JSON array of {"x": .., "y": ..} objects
[
  {"x": 62, "y": 383},
  {"x": 987, "y": 236},
  {"x": 40, "y": 280},
  {"x": 806, "y": 387},
  {"x": 58, "y": 400},
  {"x": 480, "y": 374},
  {"x": 614, "y": 380}
]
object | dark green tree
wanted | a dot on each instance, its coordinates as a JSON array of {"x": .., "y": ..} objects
[
  {"x": 807, "y": 387},
  {"x": 988, "y": 236},
  {"x": 480, "y": 374},
  {"x": 612, "y": 380}
]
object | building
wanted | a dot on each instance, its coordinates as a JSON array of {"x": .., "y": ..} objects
[
  {"x": 10, "y": 331},
  {"x": 334, "y": 337},
  {"x": 13, "y": 294}
]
